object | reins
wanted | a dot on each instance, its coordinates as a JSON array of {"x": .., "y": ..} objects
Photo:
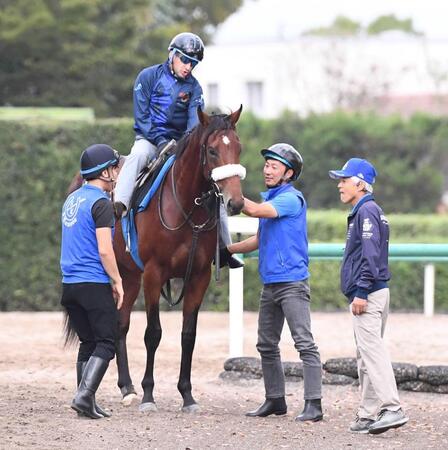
[{"x": 210, "y": 223}]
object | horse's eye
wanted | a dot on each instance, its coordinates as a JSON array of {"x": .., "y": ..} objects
[{"x": 213, "y": 152}]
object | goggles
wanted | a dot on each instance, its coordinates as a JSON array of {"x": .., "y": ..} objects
[
  {"x": 185, "y": 59},
  {"x": 117, "y": 157}
]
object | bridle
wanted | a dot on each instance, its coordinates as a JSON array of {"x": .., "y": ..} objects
[{"x": 214, "y": 194}]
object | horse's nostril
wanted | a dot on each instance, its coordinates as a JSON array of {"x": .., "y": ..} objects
[{"x": 234, "y": 207}]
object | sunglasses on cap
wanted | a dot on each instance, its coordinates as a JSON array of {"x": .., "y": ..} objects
[{"x": 187, "y": 59}]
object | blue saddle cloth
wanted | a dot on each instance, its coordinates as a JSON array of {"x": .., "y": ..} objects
[{"x": 128, "y": 222}]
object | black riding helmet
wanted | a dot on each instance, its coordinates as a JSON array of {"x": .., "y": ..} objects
[
  {"x": 189, "y": 44},
  {"x": 96, "y": 158},
  {"x": 286, "y": 154}
]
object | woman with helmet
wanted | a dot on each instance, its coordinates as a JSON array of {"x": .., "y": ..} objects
[
  {"x": 166, "y": 99},
  {"x": 283, "y": 268},
  {"x": 92, "y": 289}
]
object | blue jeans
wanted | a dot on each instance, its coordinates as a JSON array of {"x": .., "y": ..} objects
[{"x": 290, "y": 301}]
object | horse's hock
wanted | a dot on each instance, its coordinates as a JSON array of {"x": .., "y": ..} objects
[{"x": 409, "y": 377}]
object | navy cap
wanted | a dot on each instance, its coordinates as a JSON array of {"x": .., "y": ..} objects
[{"x": 356, "y": 167}]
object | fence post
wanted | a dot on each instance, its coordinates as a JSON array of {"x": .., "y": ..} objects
[
  {"x": 429, "y": 286},
  {"x": 236, "y": 288}
]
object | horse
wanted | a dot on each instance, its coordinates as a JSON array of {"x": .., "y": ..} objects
[{"x": 177, "y": 237}]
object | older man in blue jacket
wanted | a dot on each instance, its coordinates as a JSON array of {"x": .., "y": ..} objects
[{"x": 364, "y": 277}]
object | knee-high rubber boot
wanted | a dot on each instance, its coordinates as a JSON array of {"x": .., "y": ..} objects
[
  {"x": 80, "y": 366},
  {"x": 84, "y": 401}
]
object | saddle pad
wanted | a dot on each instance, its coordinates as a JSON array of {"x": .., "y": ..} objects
[{"x": 128, "y": 222}]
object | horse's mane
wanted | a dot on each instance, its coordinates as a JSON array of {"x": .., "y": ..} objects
[{"x": 217, "y": 122}]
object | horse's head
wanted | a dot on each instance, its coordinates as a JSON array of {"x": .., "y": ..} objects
[{"x": 220, "y": 154}]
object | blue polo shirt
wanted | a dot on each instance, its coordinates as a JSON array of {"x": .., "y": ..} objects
[
  {"x": 283, "y": 241},
  {"x": 80, "y": 259}
]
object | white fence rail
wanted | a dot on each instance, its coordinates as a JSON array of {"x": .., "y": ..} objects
[{"x": 249, "y": 225}]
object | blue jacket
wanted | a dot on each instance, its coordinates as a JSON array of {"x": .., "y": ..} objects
[
  {"x": 282, "y": 241},
  {"x": 165, "y": 107},
  {"x": 365, "y": 263},
  {"x": 80, "y": 259}
]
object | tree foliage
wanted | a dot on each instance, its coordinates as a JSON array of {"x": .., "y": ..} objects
[
  {"x": 391, "y": 22},
  {"x": 341, "y": 26},
  {"x": 88, "y": 52}
]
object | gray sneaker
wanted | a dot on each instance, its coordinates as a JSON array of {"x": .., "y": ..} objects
[
  {"x": 361, "y": 425},
  {"x": 387, "y": 420}
]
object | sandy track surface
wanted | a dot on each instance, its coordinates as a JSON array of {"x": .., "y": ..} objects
[{"x": 37, "y": 379}]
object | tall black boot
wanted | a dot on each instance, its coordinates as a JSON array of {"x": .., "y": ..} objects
[
  {"x": 84, "y": 401},
  {"x": 80, "y": 366},
  {"x": 270, "y": 406},
  {"x": 312, "y": 411}
]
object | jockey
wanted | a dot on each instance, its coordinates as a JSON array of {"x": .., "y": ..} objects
[{"x": 166, "y": 98}]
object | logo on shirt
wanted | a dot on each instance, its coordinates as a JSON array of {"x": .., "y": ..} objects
[
  {"x": 184, "y": 97},
  {"x": 138, "y": 87},
  {"x": 71, "y": 211},
  {"x": 349, "y": 231},
  {"x": 367, "y": 228}
]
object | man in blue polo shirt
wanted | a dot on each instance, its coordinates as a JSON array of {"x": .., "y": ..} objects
[
  {"x": 283, "y": 267},
  {"x": 364, "y": 277}
]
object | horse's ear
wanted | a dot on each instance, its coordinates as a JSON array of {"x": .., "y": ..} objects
[
  {"x": 204, "y": 118},
  {"x": 236, "y": 115}
]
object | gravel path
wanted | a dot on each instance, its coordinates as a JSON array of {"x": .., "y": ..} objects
[{"x": 37, "y": 377}]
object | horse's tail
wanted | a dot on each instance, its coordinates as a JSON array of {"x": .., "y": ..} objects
[
  {"x": 75, "y": 183},
  {"x": 70, "y": 336}
]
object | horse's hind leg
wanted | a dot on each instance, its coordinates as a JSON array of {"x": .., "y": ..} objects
[
  {"x": 131, "y": 286},
  {"x": 193, "y": 298},
  {"x": 153, "y": 334}
]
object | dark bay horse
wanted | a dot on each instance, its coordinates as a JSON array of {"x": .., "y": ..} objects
[{"x": 177, "y": 230}]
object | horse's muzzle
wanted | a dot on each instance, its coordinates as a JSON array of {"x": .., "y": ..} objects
[{"x": 234, "y": 206}]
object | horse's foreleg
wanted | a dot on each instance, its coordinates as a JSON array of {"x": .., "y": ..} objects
[
  {"x": 131, "y": 289},
  {"x": 153, "y": 334},
  {"x": 188, "y": 341},
  {"x": 192, "y": 302}
]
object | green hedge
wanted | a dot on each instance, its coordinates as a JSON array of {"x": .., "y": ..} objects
[{"x": 38, "y": 162}]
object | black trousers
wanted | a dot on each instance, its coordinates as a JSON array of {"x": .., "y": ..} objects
[{"x": 93, "y": 315}]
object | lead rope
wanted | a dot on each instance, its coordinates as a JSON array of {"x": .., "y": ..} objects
[{"x": 218, "y": 229}]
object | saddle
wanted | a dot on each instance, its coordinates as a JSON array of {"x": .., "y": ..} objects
[
  {"x": 147, "y": 185},
  {"x": 149, "y": 174}
]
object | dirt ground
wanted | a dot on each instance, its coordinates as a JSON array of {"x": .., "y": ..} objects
[{"x": 37, "y": 379}]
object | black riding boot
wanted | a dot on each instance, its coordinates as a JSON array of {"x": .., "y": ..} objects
[
  {"x": 80, "y": 366},
  {"x": 270, "y": 406},
  {"x": 312, "y": 411},
  {"x": 84, "y": 401}
]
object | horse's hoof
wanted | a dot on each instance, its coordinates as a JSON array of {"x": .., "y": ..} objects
[
  {"x": 147, "y": 407},
  {"x": 127, "y": 400},
  {"x": 191, "y": 409}
]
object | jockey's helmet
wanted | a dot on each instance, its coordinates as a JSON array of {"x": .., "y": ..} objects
[
  {"x": 287, "y": 155},
  {"x": 96, "y": 158},
  {"x": 188, "y": 44}
]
